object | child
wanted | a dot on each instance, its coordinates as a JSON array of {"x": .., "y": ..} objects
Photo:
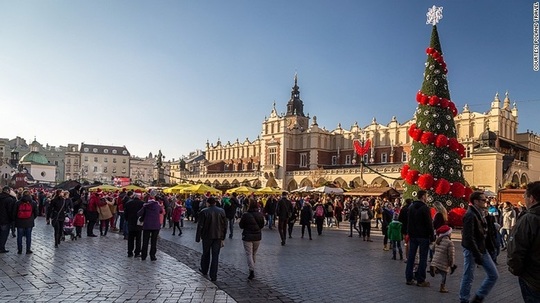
[
  {"x": 78, "y": 222},
  {"x": 178, "y": 211},
  {"x": 443, "y": 258},
  {"x": 395, "y": 236}
]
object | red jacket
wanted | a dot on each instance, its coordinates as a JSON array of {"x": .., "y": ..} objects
[
  {"x": 177, "y": 213},
  {"x": 79, "y": 220},
  {"x": 93, "y": 203}
]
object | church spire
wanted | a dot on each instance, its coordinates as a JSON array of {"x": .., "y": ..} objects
[{"x": 295, "y": 106}]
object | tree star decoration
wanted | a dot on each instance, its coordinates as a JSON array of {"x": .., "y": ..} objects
[{"x": 434, "y": 14}]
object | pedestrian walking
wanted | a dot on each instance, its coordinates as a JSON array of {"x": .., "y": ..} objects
[
  {"x": 420, "y": 230},
  {"x": 387, "y": 216},
  {"x": 252, "y": 223},
  {"x": 403, "y": 218},
  {"x": 177, "y": 214},
  {"x": 524, "y": 246},
  {"x": 56, "y": 214},
  {"x": 150, "y": 213},
  {"x": 25, "y": 212},
  {"x": 319, "y": 216},
  {"x": 92, "y": 214},
  {"x": 131, "y": 208},
  {"x": 284, "y": 211},
  {"x": 338, "y": 212},
  {"x": 443, "y": 257},
  {"x": 474, "y": 235},
  {"x": 365, "y": 217},
  {"x": 270, "y": 211},
  {"x": 230, "y": 206},
  {"x": 353, "y": 219},
  {"x": 7, "y": 203},
  {"x": 211, "y": 229},
  {"x": 508, "y": 222},
  {"x": 104, "y": 214}
]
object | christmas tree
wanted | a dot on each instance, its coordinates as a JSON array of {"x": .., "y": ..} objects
[{"x": 435, "y": 160}]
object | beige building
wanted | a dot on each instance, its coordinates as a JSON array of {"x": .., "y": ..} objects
[
  {"x": 294, "y": 151},
  {"x": 72, "y": 160},
  {"x": 104, "y": 163},
  {"x": 142, "y": 170}
]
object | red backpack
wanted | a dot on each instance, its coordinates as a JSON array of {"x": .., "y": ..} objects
[{"x": 24, "y": 211}]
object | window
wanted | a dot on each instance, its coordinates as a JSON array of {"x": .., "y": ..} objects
[
  {"x": 86, "y": 158},
  {"x": 404, "y": 157},
  {"x": 76, "y": 161},
  {"x": 114, "y": 170},
  {"x": 68, "y": 161},
  {"x": 86, "y": 149},
  {"x": 384, "y": 157},
  {"x": 68, "y": 168},
  {"x": 272, "y": 156},
  {"x": 124, "y": 161},
  {"x": 43, "y": 174},
  {"x": 113, "y": 160},
  {"x": 105, "y": 160},
  {"x": 334, "y": 160},
  {"x": 124, "y": 152},
  {"x": 56, "y": 162},
  {"x": 114, "y": 151},
  {"x": 366, "y": 158},
  {"x": 94, "y": 150},
  {"x": 347, "y": 159},
  {"x": 123, "y": 170},
  {"x": 469, "y": 150},
  {"x": 303, "y": 160},
  {"x": 105, "y": 169},
  {"x": 95, "y": 169},
  {"x": 106, "y": 151},
  {"x": 95, "y": 159}
]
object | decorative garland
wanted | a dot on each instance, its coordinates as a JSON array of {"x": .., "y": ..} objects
[
  {"x": 378, "y": 173},
  {"x": 436, "y": 101},
  {"x": 439, "y": 140}
]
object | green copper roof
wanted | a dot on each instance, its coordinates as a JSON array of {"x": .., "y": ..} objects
[{"x": 34, "y": 157}]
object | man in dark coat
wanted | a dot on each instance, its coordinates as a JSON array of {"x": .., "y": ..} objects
[
  {"x": 230, "y": 212},
  {"x": 212, "y": 229},
  {"x": 284, "y": 211},
  {"x": 524, "y": 246},
  {"x": 134, "y": 230},
  {"x": 421, "y": 233},
  {"x": 473, "y": 239},
  {"x": 7, "y": 202},
  {"x": 270, "y": 211}
]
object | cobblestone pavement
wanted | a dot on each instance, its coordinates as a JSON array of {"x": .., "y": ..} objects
[{"x": 331, "y": 268}]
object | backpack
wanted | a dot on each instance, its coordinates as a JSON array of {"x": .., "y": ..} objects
[
  {"x": 24, "y": 211},
  {"x": 364, "y": 215},
  {"x": 319, "y": 212}
]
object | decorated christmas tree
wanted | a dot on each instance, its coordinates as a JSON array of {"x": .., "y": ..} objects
[{"x": 435, "y": 160}]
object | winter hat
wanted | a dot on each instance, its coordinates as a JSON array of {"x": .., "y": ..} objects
[
  {"x": 444, "y": 230},
  {"x": 365, "y": 203},
  {"x": 81, "y": 210}
]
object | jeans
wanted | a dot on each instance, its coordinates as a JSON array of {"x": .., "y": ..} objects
[
  {"x": 529, "y": 295},
  {"x": 212, "y": 246},
  {"x": 231, "y": 225},
  {"x": 58, "y": 226},
  {"x": 396, "y": 246},
  {"x": 352, "y": 224},
  {"x": 4, "y": 234},
  {"x": 504, "y": 236},
  {"x": 308, "y": 229},
  {"x": 468, "y": 276},
  {"x": 270, "y": 221},
  {"x": 416, "y": 244},
  {"x": 250, "y": 248},
  {"x": 24, "y": 232},
  {"x": 366, "y": 229},
  {"x": 149, "y": 236},
  {"x": 319, "y": 222}
]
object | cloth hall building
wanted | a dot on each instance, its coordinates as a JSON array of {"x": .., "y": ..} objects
[{"x": 293, "y": 151}]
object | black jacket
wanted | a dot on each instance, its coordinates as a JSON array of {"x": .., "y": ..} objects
[
  {"x": 251, "y": 222},
  {"x": 474, "y": 232},
  {"x": 404, "y": 218},
  {"x": 130, "y": 213},
  {"x": 284, "y": 209},
  {"x": 524, "y": 248},
  {"x": 419, "y": 223},
  {"x": 306, "y": 214},
  {"x": 212, "y": 224},
  {"x": 29, "y": 222},
  {"x": 230, "y": 209},
  {"x": 57, "y": 209},
  {"x": 270, "y": 206},
  {"x": 7, "y": 202}
]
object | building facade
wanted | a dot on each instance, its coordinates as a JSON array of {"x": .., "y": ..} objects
[
  {"x": 104, "y": 163},
  {"x": 293, "y": 151}
]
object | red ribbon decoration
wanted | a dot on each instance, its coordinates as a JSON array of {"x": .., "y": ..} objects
[{"x": 361, "y": 148}]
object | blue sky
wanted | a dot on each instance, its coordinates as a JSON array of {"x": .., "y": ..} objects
[{"x": 171, "y": 75}]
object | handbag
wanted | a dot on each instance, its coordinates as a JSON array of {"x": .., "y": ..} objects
[{"x": 140, "y": 221}]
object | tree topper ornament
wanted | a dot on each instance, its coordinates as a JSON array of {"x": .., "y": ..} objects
[{"x": 434, "y": 14}]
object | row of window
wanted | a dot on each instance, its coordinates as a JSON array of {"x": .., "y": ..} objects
[
  {"x": 104, "y": 160},
  {"x": 105, "y": 151},
  {"x": 348, "y": 159}
]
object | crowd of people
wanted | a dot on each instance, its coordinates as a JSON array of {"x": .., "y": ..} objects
[{"x": 417, "y": 232}]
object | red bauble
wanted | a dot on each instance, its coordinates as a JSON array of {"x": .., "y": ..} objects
[
  {"x": 455, "y": 216},
  {"x": 425, "y": 181},
  {"x": 429, "y": 50},
  {"x": 434, "y": 101},
  {"x": 442, "y": 186},
  {"x": 424, "y": 100},
  {"x": 443, "y": 103},
  {"x": 412, "y": 176},
  {"x": 453, "y": 144},
  {"x": 427, "y": 138},
  {"x": 461, "y": 150},
  {"x": 441, "y": 141},
  {"x": 417, "y": 135},
  {"x": 457, "y": 190},
  {"x": 404, "y": 171},
  {"x": 453, "y": 108},
  {"x": 412, "y": 129},
  {"x": 418, "y": 96}
]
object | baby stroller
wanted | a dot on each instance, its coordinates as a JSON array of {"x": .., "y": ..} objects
[{"x": 69, "y": 229}]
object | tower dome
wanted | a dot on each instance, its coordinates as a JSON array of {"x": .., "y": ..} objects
[{"x": 487, "y": 138}]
